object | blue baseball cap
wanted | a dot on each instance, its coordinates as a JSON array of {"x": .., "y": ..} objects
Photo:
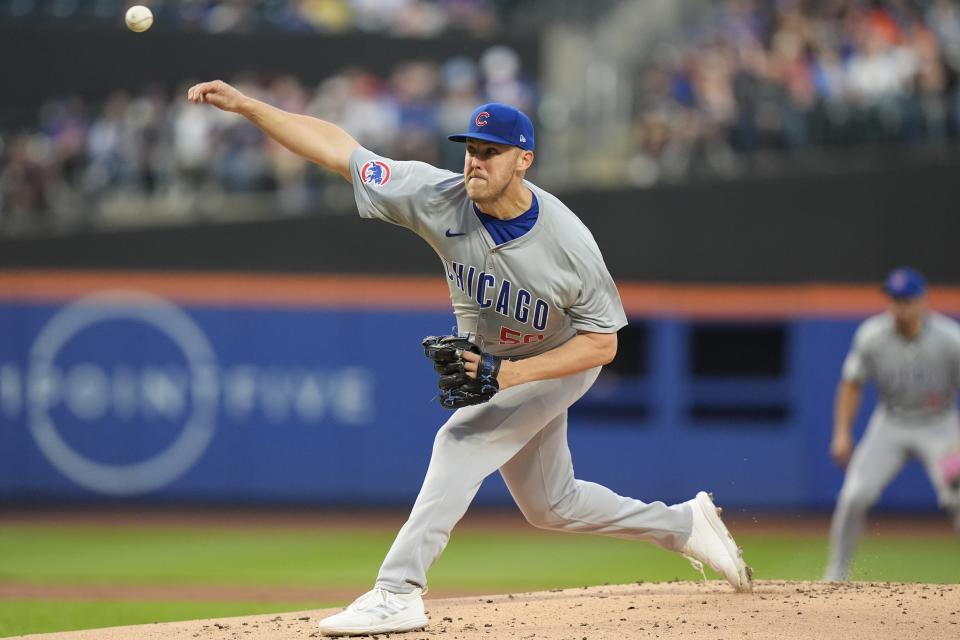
[
  {"x": 905, "y": 283},
  {"x": 497, "y": 122}
]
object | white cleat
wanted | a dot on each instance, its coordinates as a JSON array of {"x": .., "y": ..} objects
[
  {"x": 378, "y": 611},
  {"x": 710, "y": 543}
]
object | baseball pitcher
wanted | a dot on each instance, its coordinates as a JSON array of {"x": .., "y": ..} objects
[
  {"x": 913, "y": 356},
  {"x": 537, "y": 317}
]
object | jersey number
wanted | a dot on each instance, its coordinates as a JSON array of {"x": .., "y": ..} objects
[{"x": 509, "y": 336}]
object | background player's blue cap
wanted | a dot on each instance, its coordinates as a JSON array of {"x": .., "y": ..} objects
[
  {"x": 497, "y": 122},
  {"x": 904, "y": 283}
]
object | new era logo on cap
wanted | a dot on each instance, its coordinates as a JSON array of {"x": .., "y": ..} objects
[{"x": 497, "y": 122}]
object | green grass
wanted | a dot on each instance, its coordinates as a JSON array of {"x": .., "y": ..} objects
[
  {"x": 489, "y": 561},
  {"x": 91, "y": 555},
  {"x": 42, "y": 616}
]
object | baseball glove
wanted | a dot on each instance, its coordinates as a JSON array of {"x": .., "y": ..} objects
[{"x": 457, "y": 389}]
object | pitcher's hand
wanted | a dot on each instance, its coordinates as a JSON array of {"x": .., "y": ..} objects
[{"x": 218, "y": 93}]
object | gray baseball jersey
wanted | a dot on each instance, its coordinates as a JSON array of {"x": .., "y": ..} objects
[
  {"x": 917, "y": 379},
  {"x": 520, "y": 298},
  {"x": 916, "y": 417}
]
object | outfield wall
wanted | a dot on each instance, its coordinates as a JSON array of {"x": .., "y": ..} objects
[{"x": 292, "y": 389}]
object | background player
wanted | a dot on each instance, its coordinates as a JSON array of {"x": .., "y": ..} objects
[
  {"x": 528, "y": 283},
  {"x": 913, "y": 356}
]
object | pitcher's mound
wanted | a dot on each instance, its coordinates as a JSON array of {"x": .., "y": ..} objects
[{"x": 675, "y": 610}]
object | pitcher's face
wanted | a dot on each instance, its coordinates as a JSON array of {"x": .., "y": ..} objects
[{"x": 489, "y": 168}]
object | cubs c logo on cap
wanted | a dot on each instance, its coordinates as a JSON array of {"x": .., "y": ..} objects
[
  {"x": 500, "y": 124},
  {"x": 375, "y": 172},
  {"x": 898, "y": 280}
]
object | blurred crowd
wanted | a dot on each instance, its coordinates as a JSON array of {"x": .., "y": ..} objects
[
  {"x": 758, "y": 80},
  {"x": 412, "y": 18},
  {"x": 744, "y": 86},
  {"x": 154, "y": 154}
]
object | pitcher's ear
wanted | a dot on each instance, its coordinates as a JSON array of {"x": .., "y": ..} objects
[{"x": 525, "y": 161}]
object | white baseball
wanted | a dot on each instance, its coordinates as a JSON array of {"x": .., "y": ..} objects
[{"x": 139, "y": 18}]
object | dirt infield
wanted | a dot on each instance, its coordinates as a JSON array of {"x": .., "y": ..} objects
[{"x": 674, "y": 611}]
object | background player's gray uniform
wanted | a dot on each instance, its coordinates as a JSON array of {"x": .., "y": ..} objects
[
  {"x": 916, "y": 417},
  {"x": 518, "y": 299}
]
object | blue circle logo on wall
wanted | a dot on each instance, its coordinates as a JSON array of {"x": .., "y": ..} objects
[{"x": 131, "y": 418}]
